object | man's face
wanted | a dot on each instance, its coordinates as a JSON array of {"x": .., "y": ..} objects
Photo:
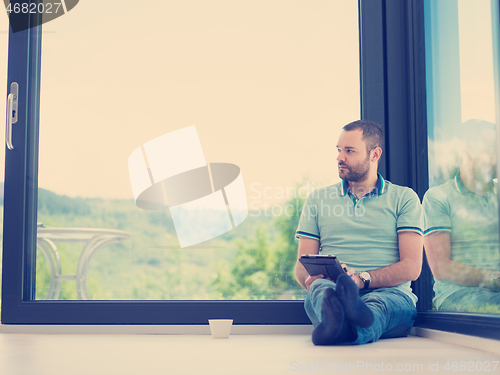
[
  {"x": 480, "y": 157},
  {"x": 353, "y": 158},
  {"x": 484, "y": 164}
]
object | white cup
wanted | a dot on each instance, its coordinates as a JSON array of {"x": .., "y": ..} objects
[{"x": 220, "y": 328}]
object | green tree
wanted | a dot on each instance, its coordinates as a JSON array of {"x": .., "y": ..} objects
[
  {"x": 264, "y": 265},
  {"x": 250, "y": 275},
  {"x": 286, "y": 224}
]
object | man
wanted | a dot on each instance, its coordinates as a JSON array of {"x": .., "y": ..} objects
[
  {"x": 373, "y": 227},
  {"x": 461, "y": 227}
]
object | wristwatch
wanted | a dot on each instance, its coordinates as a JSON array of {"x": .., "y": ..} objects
[
  {"x": 495, "y": 279},
  {"x": 366, "y": 278}
]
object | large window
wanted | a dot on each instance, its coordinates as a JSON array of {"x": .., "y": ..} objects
[
  {"x": 175, "y": 89},
  {"x": 177, "y": 143},
  {"x": 462, "y": 241}
]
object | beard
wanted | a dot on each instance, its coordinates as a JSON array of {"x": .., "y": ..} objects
[
  {"x": 355, "y": 173},
  {"x": 483, "y": 175}
]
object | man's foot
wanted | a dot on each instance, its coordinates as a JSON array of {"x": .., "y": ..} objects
[
  {"x": 356, "y": 311},
  {"x": 333, "y": 328}
]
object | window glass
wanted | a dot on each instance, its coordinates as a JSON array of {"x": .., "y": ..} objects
[
  {"x": 461, "y": 205},
  {"x": 178, "y": 141}
]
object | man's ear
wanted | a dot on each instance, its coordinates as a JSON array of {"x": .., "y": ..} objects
[{"x": 376, "y": 153}]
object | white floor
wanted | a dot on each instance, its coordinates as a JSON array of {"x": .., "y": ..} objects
[{"x": 75, "y": 354}]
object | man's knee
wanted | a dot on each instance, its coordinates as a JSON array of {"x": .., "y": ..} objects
[{"x": 321, "y": 284}]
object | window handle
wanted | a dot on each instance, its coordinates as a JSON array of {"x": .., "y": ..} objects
[{"x": 12, "y": 106}]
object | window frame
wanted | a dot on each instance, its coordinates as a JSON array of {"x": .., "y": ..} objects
[
  {"x": 392, "y": 61},
  {"x": 20, "y": 194},
  {"x": 393, "y": 67}
]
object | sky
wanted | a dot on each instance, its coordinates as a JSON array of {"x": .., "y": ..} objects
[
  {"x": 268, "y": 86},
  {"x": 476, "y": 60}
]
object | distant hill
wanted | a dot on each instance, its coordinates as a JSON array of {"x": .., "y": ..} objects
[
  {"x": 53, "y": 203},
  {"x": 63, "y": 211}
]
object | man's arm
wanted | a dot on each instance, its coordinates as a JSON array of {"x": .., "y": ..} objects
[
  {"x": 438, "y": 250},
  {"x": 407, "y": 269},
  {"x": 306, "y": 246}
]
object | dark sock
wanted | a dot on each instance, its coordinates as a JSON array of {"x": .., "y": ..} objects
[
  {"x": 333, "y": 328},
  {"x": 356, "y": 311}
]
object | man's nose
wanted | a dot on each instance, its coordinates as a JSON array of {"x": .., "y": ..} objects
[{"x": 340, "y": 156}]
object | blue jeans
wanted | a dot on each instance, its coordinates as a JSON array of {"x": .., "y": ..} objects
[{"x": 394, "y": 311}]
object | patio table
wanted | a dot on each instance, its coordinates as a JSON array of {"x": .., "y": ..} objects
[{"x": 93, "y": 239}]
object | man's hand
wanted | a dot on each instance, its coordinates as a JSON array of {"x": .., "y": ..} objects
[
  {"x": 310, "y": 280},
  {"x": 354, "y": 276},
  {"x": 492, "y": 280},
  {"x": 358, "y": 281}
]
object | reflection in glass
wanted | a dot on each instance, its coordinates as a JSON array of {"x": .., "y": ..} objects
[
  {"x": 461, "y": 207},
  {"x": 461, "y": 221}
]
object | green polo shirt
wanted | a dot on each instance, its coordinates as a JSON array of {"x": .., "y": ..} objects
[
  {"x": 362, "y": 233},
  {"x": 472, "y": 221}
]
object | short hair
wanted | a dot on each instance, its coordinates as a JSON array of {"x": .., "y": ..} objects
[
  {"x": 478, "y": 135},
  {"x": 372, "y": 133}
]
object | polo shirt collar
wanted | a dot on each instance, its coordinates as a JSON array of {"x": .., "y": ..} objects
[
  {"x": 462, "y": 189},
  {"x": 380, "y": 187}
]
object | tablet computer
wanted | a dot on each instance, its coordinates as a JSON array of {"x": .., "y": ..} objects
[{"x": 326, "y": 265}]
